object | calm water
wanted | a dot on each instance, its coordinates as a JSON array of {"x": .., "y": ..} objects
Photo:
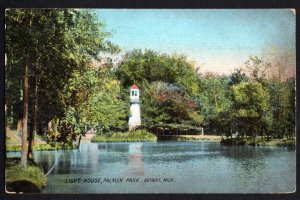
[{"x": 169, "y": 167}]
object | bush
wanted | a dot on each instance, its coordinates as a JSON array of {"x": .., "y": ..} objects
[{"x": 133, "y": 136}]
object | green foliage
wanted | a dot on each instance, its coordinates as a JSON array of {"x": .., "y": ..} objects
[
  {"x": 75, "y": 93},
  {"x": 94, "y": 99},
  {"x": 216, "y": 104},
  {"x": 282, "y": 107},
  {"x": 251, "y": 106},
  {"x": 10, "y": 148},
  {"x": 237, "y": 77},
  {"x": 133, "y": 136},
  {"x": 165, "y": 103},
  {"x": 169, "y": 85},
  {"x": 248, "y": 104},
  {"x": 60, "y": 45},
  {"x": 149, "y": 66}
]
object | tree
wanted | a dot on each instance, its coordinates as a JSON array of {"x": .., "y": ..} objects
[
  {"x": 237, "y": 77},
  {"x": 24, "y": 20},
  {"x": 282, "y": 107},
  {"x": 216, "y": 103},
  {"x": 50, "y": 44},
  {"x": 93, "y": 99},
  {"x": 165, "y": 103},
  {"x": 145, "y": 67},
  {"x": 251, "y": 107}
]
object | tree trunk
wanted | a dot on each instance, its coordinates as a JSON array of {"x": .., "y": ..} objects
[
  {"x": 33, "y": 129},
  {"x": 79, "y": 140},
  {"x": 19, "y": 125},
  {"x": 24, "y": 151}
]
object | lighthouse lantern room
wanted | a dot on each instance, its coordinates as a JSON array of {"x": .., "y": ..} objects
[{"x": 135, "y": 112}]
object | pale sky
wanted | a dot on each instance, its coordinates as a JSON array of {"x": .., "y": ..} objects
[{"x": 218, "y": 40}]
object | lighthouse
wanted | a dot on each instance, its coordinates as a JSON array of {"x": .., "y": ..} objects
[{"x": 135, "y": 111}]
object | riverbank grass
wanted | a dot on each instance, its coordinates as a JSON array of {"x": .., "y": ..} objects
[
  {"x": 272, "y": 142},
  {"x": 36, "y": 147},
  {"x": 14, "y": 140},
  {"x": 28, "y": 180},
  {"x": 259, "y": 142},
  {"x": 215, "y": 138},
  {"x": 132, "y": 136}
]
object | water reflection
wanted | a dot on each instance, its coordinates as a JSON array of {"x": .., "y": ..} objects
[
  {"x": 135, "y": 161},
  {"x": 248, "y": 164},
  {"x": 198, "y": 167}
]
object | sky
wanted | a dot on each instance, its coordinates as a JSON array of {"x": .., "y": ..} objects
[{"x": 216, "y": 40}]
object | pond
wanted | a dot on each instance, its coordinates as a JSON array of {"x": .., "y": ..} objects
[{"x": 169, "y": 167}]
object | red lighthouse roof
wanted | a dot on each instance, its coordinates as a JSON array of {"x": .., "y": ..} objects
[{"x": 134, "y": 86}]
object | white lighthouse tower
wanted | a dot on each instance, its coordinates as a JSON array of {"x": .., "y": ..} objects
[{"x": 135, "y": 111}]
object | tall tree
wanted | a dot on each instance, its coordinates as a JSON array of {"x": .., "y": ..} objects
[
  {"x": 50, "y": 44},
  {"x": 93, "y": 99},
  {"x": 145, "y": 67},
  {"x": 282, "y": 107},
  {"x": 251, "y": 106},
  {"x": 23, "y": 20},
  {"x": 216, "y": 104}
]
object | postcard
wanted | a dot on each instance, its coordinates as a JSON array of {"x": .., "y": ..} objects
[{"x": 191, "y": 101}]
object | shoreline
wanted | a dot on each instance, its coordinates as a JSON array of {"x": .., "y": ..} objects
[
  {"x": 259, "y": 142},
  {"x": 212, "y": 138},
  {"x": 215, "y": 138}
]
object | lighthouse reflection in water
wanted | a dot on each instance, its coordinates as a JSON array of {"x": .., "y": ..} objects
[{"x": 135, "y": 162}]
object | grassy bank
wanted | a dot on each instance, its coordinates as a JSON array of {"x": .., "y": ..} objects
[
  {"x": 190, "y": 137},
  {"x": 29, "y": 180},
  {"x": 36, "y": 147},
  {"x": 259, "y": 142},
  {"x": 133, "y": 136},
  {"x": 272, "y": 142},
  {"x": 13, "y": 142}
]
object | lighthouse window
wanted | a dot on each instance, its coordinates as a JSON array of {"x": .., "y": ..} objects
[
  {"x": 135, "y": 93},
  {"x": 132, "y": 93}
]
